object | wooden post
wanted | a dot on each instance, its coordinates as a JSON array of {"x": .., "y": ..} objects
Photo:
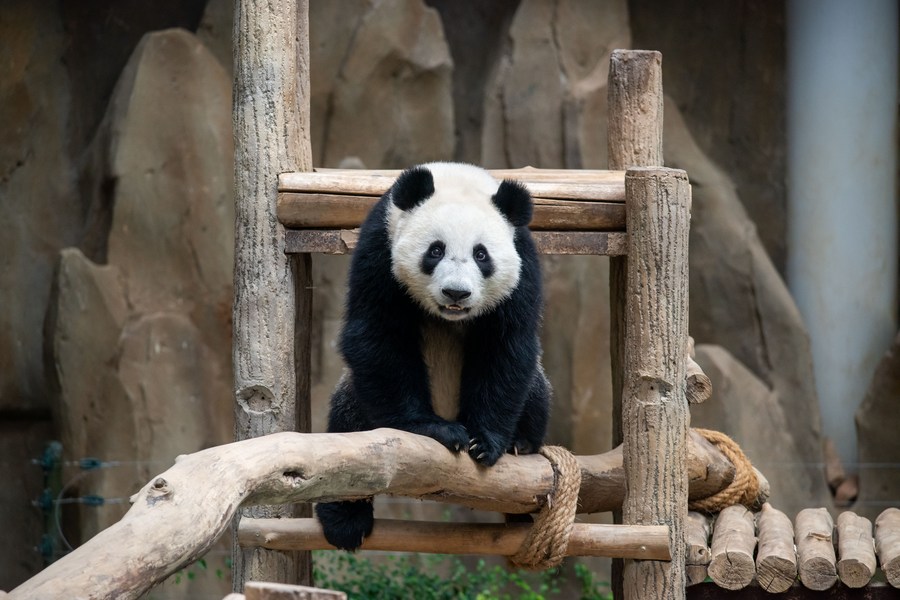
[
  {"x": 271, "y": 136},
  {"x": 655, "y": 415},
  {"x": 634, "y": 139}
]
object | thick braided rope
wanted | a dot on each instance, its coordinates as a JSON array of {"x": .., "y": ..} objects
[
  {"x": 743, "y": 489},
  {"x": 545, "y": 545}
]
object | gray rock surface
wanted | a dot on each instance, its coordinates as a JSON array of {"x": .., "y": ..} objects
[
  {"x": 142, "y": 344},
  {"x": 752, "y": 414},
  {"x": 877, "y": 424}
]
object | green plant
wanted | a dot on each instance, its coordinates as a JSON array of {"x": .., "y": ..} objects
[{"x": 441, "y": 577}]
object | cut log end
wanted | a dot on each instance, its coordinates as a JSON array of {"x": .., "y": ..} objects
[{"x": 776, "y": 574}]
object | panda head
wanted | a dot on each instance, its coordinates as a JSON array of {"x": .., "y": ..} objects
[{"x": 452, "y": 229}]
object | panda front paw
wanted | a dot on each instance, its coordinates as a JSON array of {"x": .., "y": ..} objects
[
  {"x": 486, "y": 449},
  {"x": 523, "y": 446},
  {"x": 451, "y": 434}
]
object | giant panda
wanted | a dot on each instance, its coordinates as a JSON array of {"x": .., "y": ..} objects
[{"x": 442, "y": 323}]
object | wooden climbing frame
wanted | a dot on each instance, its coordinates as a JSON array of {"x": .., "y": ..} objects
[{"x": 648, "y": 295}]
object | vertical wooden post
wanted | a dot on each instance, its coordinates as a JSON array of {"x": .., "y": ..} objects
[
  {"x": 634, "y": 139},
  {"x": 271, "y": 136},
  {"x": 655, "y": 414}
]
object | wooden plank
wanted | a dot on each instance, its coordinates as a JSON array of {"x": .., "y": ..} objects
[
  {"x": 343, "y": 211},
  {"x": 343, "y": 241},
  {"x": 710, "y": 591},
  {"x": 605, "y": 186},
  {"x": 497, "y": 539},
  {"x": 259, "y": 590}
]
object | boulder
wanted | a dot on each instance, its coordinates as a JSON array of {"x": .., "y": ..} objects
[
  {"x": 751, "y": 413},
  {"x": 391, "y": 103},
  {"x": 142, "y": 344},
  {"x": 877, "y": 424}
]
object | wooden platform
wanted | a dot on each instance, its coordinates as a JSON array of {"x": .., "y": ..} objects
[{"x": 575, "y": 212}]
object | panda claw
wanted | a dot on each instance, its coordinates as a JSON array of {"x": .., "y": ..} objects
[
  {"x": 472, "y": 447},
  {"x": 480, "y": 456}
]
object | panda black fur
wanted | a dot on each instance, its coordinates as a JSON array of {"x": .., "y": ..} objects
[{"x": 441, "y": 333}]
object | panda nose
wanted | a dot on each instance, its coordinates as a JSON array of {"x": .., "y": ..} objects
[{"x": 456, "y": 295}]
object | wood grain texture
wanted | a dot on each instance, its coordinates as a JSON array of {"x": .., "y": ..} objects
[
  {"x": 272, "y": 135},
  {"x": 342, "y": 211},
  {"x": 179, "y": 514},
  {"x": 627, "y": 121},
  {"x": 814, "y": 530},
  {"x": 496, "y": 539},
  {"x": 548, "y": 242},
  {"x": 856, "y": 550},
  {"x": 733, "y": 542},
  {"x": 655, "y": 414},
  {"x": 776, "y": 559},
  {"x": 887, "y": 544},
  {"x": 604, "y": 186},
  {"x": 259, "y": 590}
]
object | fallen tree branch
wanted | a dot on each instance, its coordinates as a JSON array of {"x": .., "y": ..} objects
[{"x": 179, "y": 514}]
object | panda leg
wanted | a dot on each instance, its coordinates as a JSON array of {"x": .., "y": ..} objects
[
  {"x": 532, "y": 425},
  {"x": 345, "y": 523}
]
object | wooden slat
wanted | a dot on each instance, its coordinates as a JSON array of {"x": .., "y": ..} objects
[
  {"x": 343, "y": 241},
  {"x": 603, "y": 186},
  {"x": 342, "y": 211}
]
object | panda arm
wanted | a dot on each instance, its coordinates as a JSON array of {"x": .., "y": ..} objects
[{"x": 501, "y": 358}]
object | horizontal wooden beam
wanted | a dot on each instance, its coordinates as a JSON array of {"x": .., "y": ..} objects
[
  {"x": 650, "y": 542},
  {"x": 315, "y": 210},
  {"x": 588, "y": 185},
  {"x": 343, "y": 241}
]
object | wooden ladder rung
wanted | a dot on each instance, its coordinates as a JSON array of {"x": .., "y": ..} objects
[{"x": 644, "y": 542}]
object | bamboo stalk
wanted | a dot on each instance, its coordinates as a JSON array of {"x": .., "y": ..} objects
[
  {"x": 815, "y": 548},
  {"x": 733, "y": 542},
  {"x": 500, "y": 539},
  {"x": 776, "y": 559}
]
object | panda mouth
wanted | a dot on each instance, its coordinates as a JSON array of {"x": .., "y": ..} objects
[{"x": 454, "y": 310}]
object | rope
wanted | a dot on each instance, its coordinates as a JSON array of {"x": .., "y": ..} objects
[
  {"x": 743, "y": 489},
  {"x": 545, "y": 545}
]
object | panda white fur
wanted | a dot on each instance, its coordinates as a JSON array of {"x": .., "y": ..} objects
[{"x": 441, "y": 332}]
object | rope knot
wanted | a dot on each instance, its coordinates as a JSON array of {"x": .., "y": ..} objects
[{"x": 545, "y": 545}]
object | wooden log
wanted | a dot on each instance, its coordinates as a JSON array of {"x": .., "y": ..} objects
[
  {"x": 605, "y": 186},
  {"x": 776, "y": 558},
  {"x": 696, "y": 537},
  {"x": 733, "y": 542},
  {"x": 856, "y": 550},
  {"x": 271, "y": 134},
  {"x": 498, "y": 539},
  {"x": 634, "y": 139},
  {"x": 340, "y": 211},
  {"x": 815, "y": 548},
  {"x": 548, "y": 242},
  {"x": 177, "y": 516},
  {"x": 887, "y": 544},
  {"x": 654, "y": 407},
  {"x": 258, "y": 590}
]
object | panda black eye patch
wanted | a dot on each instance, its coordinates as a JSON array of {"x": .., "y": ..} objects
[
  {"x": 432, "y": 257},
  {"x": 483, "y": 260}
]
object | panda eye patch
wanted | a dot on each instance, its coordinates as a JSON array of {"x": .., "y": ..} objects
[
  {"x": 483, "y": 260},
  {"x": 480, "y": 253},
  {"x": 432, "y": 257}
]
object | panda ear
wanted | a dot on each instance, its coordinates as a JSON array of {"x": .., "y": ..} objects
[
  {"x": 413, "y": 187},
  {"x": 514, "y": 202}
]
